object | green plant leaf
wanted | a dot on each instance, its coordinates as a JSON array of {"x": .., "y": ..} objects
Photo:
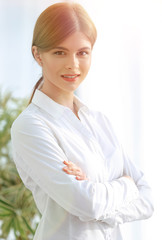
[{"x": 17, "y": 207}]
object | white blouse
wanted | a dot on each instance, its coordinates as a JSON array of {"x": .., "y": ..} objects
[{"x": 47, "y": 133}]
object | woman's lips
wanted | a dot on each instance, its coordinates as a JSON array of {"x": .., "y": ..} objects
[{"x": 70, "y": 77}]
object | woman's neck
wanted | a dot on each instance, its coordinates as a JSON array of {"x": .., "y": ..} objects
[{"x": 64, "y": 98}]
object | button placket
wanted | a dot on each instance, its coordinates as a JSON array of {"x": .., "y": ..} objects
[{"x": 79, "y": 125}]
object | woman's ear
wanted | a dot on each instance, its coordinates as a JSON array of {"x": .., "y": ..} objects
[{"x": 37, "y": 55}]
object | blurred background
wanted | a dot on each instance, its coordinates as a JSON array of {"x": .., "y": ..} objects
[{"x": 125, "y": 80}]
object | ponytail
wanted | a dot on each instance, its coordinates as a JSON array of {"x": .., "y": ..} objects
[{"x": 35, "y": 87}]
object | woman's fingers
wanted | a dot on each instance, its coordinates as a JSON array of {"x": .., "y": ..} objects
[
  {"x": 72, "y": 169},
  {"x": 71, "y": 166},
  {"x": 128, "y": 177},
  {"x": 81, "y": 178},
  {"x": 66, "y": 162},
  {"x": 77, "y": 173}
]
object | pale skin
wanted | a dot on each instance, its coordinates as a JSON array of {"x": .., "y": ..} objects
[
  {"x": 74, "y": 170},
  {"x": 71, "y": 58},
  {"x": 64, "y": 68}
]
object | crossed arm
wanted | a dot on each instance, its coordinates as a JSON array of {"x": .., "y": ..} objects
[
  {"x": 73, "y": 169},
  {"x": 139, "y": 208},
  {"x": 38, "y": 153}
]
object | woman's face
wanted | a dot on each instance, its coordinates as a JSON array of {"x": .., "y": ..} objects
[{"x": 66, "y": 66}]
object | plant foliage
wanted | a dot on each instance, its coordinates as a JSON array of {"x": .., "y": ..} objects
[{"x": 18, "y": 212}]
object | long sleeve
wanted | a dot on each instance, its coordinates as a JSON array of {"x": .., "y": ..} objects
[
  {"x": 138, "y": 209},
  {"x": 37, "y": 152}
]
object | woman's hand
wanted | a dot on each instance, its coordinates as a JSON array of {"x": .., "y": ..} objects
[
  {"x": 129, "y": 178},
  {"x": 72, "y": 169}
]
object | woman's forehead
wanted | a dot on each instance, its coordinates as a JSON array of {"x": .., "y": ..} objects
[{"x": 77, "y": 40}]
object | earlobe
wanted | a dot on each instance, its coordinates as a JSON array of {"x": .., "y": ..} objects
[{"x": 36, "y": 55}]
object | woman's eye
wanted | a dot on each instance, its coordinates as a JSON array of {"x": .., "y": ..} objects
[
  {"x": 59, "y": 53},
  {"x": 83, "y": 53}
]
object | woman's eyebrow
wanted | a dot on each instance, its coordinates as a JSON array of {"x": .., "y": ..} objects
[
  {"x": 84, "y": 48},
  {"x": 66, "y": 49}
]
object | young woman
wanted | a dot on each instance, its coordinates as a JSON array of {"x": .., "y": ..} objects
[{"x": 83, "y": 183}]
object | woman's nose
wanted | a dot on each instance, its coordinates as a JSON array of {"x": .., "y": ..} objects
[{"x": 72, "y": 62}]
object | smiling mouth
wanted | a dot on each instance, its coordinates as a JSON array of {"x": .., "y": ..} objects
[{"x": 69, "y": 77}]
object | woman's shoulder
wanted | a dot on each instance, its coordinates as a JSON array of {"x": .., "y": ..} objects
[{"x": 29, "y": 116}]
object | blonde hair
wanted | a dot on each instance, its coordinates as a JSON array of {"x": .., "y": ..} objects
[{"x": 58, "y": 22}]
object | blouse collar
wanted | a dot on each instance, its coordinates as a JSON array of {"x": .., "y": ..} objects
[{"x": 53, "y": 108}]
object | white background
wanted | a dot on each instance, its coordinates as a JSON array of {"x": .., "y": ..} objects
[{"x": 125, "y": 80}]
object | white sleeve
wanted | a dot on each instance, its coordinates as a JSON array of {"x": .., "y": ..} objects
[
  {"x": 137, "y": 209},
  {"x": 41, "y": 156}
]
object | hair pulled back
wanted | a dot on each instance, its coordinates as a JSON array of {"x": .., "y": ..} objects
[{"x": 58, "y": 22}]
